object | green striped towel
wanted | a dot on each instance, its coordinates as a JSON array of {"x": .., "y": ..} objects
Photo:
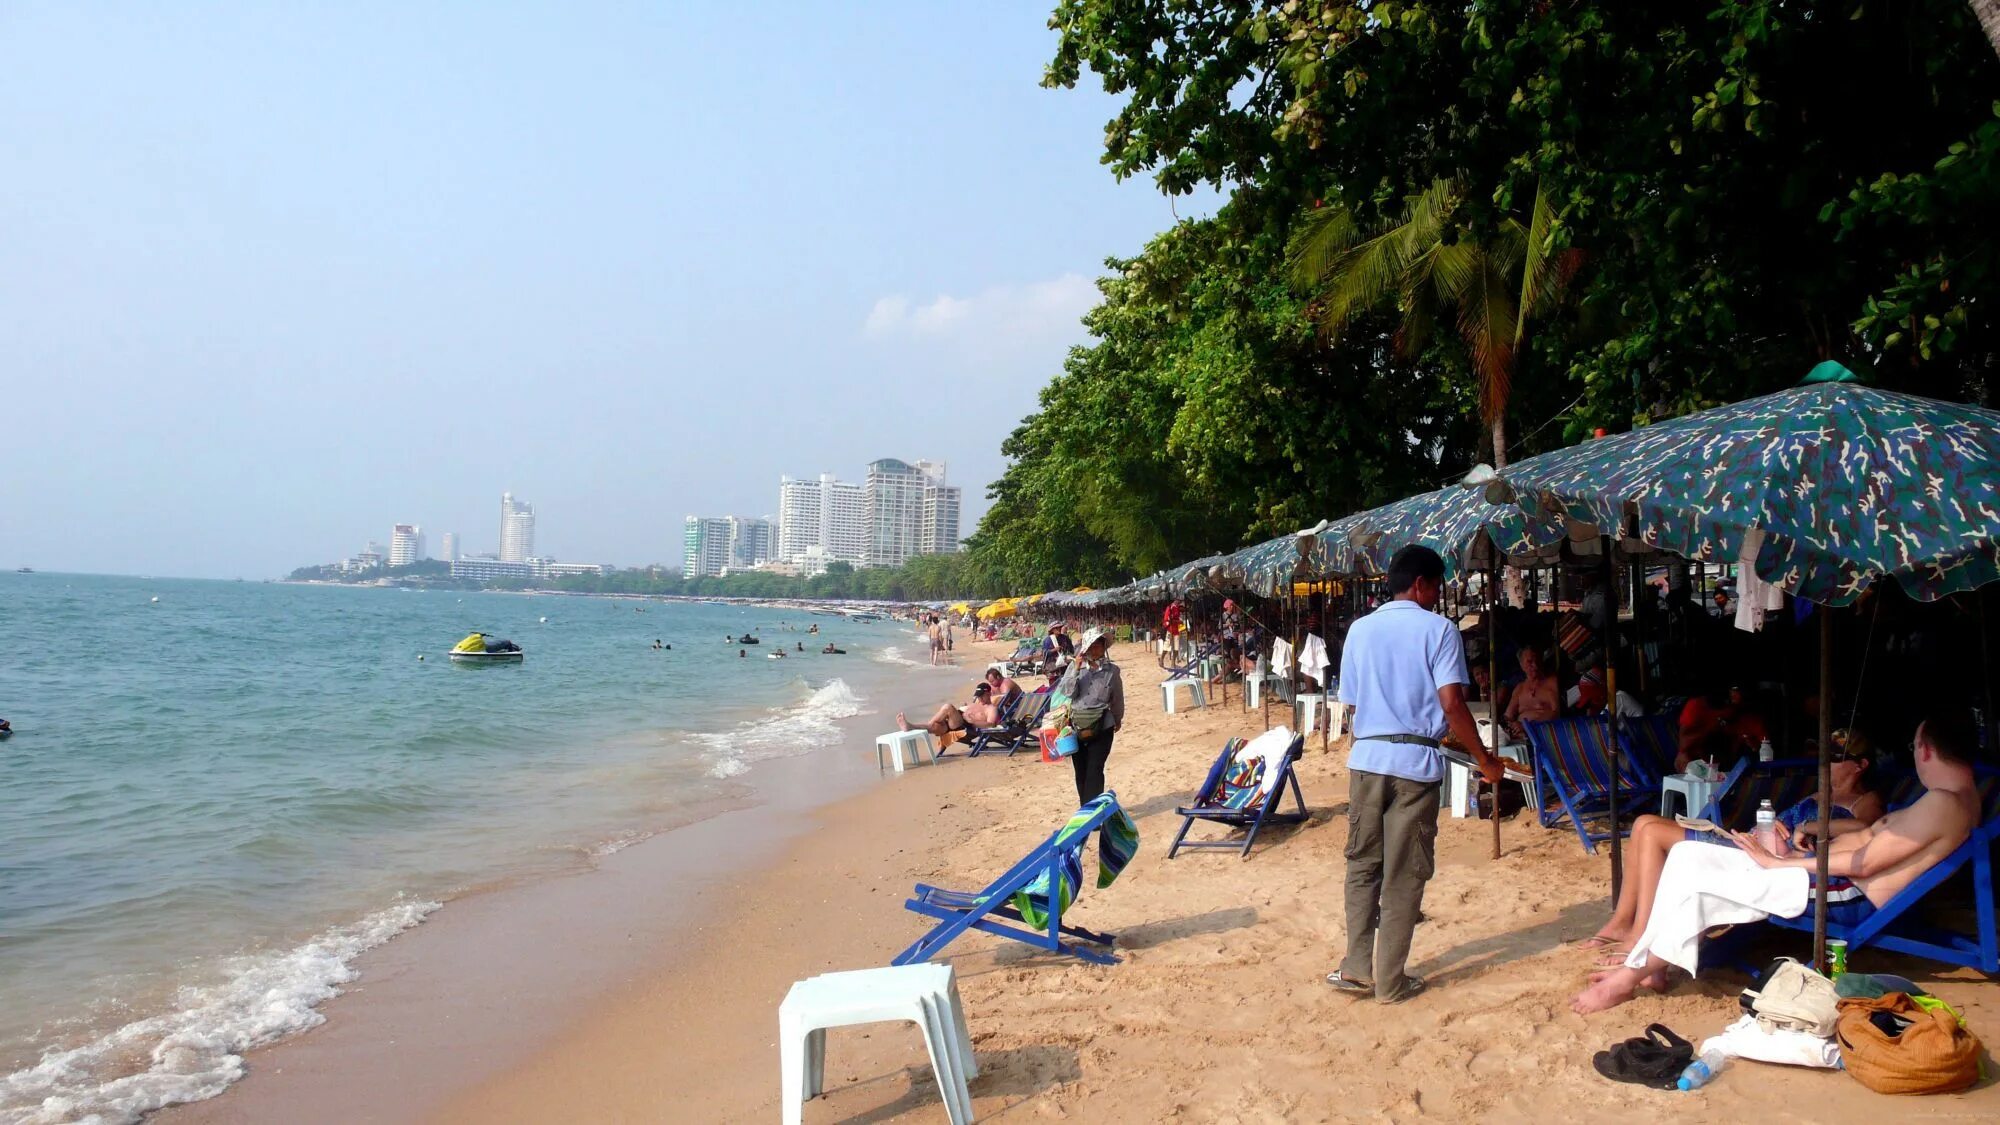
[{"x": 1117, "y": 843}]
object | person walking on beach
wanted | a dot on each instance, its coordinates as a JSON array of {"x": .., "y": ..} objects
[
  {"x": 1403, "y": 672},
  {"x": 1096, "y": 692}
]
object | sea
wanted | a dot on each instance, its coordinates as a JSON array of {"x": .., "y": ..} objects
[{"x": 218, "y": 794}]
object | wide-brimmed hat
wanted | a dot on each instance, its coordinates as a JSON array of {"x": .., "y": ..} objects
[{"x": 1095, "y": 635}]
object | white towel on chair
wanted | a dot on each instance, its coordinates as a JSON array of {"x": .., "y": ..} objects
[
  {"x": 1281, "y": 657},
  {"x": 1705, "y": 885},
  {"x": 1312, "y": 659},
  {"x": 1270, "y": 747}
]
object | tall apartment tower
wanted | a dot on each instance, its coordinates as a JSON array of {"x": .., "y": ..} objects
[
  {"x": 829, "y": 514},
  {"x": 750, "y": 541},
  {"x": 895, "y": 511},
  {"x": 451, "y": 546},
  {"x": 705, "y": 546},
  {"x": 517, "y": 529},
  {"x": 406, "y": 544}
]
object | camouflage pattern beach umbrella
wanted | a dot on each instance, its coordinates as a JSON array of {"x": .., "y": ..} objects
[
  {"x": 1265, "y": 569},
  {"x": 1842, "y": 484},
  {"x": 1456, "y": 521}
]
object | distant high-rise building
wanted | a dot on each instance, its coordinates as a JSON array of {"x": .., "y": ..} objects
[
  {"x": 750, "y": 542},
  {"x": 705, "y": 546},
  {"x": 451, "y": 546},
  {"x": 911, "y": 511},
  {"x": 829, "y": 514},
  {"x": 406, "y": 544},
  {"x": 517, "y": 529}
]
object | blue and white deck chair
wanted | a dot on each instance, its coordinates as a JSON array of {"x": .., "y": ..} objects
[
  {"x": 1573, "y": 763},
  {"x": 1235, "y": 794},
  {"x": 1014, "y": 731},
  {"x": 1035, "y": 891},
  {"x": 1652, "y": 738},
  {"x": 1784, "y": 782},
  {"x": 1894, "y": 925}
]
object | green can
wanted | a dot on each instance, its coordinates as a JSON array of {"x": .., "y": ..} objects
[{"x": 1836, "y": 956}]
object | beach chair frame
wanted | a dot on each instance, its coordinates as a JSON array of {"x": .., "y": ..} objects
[
  {"x": 1784, "y": 782},
  {"x": 1652, "y": 738},
  {"x": 1251, "y": 820},
  {"x": 957, "y": 911},
  {"x": 1572, "y": 762},
  {"x": 1015, "y": 731}
]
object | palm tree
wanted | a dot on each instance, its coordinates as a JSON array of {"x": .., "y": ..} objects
[{"x": 1429, "y": 266}]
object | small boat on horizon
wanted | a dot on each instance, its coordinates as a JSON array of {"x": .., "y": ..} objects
[{"x": 24, "y": 570}]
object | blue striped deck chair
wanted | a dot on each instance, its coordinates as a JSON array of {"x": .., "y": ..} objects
[
  {"x": 1192, "y": 669},
  {"x": 1653, "y": 738},
  {"x": 1234, "y": 794},
  {"x": 1572, "y": 763},
  {"x": 974, "y": 734},
  {"x": 1016, "y": 730},
  {"x": 1895, "y": 926},
  {"x": 1034, "y": 892},
  {"x": 1784, "y": 783}
]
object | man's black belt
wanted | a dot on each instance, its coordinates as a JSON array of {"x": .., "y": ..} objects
[{"x": 1401, "y": 739}]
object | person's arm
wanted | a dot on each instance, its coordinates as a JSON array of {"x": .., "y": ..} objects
[
  {"x": 1856, "y": 855},
  {"x": 1116, "y": 707},
  {"x": 1465, "y": 732}
]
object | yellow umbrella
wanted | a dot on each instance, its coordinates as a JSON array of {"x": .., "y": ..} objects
[
  {"x": 995, "y": 610},
  {"x": 960, "y": 609},
  {"x": 1081, "y": 590}
]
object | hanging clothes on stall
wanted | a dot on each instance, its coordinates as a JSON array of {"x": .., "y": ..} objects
[
  {"x": 1313, "y": 660},
  {"x": 1756, "y": 599}
]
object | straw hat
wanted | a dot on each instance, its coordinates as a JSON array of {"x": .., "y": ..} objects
[{"x": 1094, "y": 635}]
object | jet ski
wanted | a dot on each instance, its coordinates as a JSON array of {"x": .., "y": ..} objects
[{"x": 480, "y": 648}]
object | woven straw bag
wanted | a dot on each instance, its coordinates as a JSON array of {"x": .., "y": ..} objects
[{"x": 1932, "y": 1055}]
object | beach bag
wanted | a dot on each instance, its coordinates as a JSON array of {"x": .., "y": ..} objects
[
  {"x": 1086, "y": 719},
  {"x": 1794, "y": 998},
  {"x": 1892, "y": 1045}
]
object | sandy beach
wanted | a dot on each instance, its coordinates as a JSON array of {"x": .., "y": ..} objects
[{"x": 1218, "y": 1011}]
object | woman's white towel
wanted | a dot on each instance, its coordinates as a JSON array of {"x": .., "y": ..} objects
[{"x": 1703, "y": 886}]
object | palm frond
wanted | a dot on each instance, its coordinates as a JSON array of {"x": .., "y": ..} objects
[
  {"x": 1486, "y": 318},
  {"x": 1324, "y": 234}
]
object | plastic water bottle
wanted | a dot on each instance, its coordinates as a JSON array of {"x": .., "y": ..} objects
[
  {"x": 1703, "y": 1070},
  {"x": 1767, "y": 826},
  {"x": 1764, "y": 751}
]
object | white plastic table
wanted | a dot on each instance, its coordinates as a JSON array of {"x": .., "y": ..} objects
[
  {"x": 926, "y": 995},
  {"x": 1695, "y": 792},
  {"x": 905, "y": 744}
]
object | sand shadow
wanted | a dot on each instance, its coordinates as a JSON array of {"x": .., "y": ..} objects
[
  {"x": 1472, "y": 958},
  {"x": 1017, "y": 1073},
  {"x": 1148, "y": 935}
]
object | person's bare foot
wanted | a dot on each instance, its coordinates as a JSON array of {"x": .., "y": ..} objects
[
  {"x": 1603, "y": 995},
  {"x": 1655, "y": 980},
  {"x": 1607, "y": 938},
  {"x": 903, "y": 722}
]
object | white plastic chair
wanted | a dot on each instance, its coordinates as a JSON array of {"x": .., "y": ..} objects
[
  {"x": 1195, "y": 689},
  {"x": 925, "y": 994}
]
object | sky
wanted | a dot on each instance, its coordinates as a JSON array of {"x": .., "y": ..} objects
[{"x": 276, "y": 277}]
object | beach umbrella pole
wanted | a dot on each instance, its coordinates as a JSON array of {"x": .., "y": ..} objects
[
  {"x": 1493, "y": 684},
  {"x": 1825, "y": 782},
  {"x": 1611, "y": 706}
]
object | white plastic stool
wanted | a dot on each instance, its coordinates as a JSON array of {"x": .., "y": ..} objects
[
  {"x": 905, "y": 744},
  {"x": 1200, "y": 697},
  {"x": 1337, "y": 714},
  {"x": 926, "y": 995},
  {"x": 1305, "y": 709},
  {"x": 1695, "y": 792}
]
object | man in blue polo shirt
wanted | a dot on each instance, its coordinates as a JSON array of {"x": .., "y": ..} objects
[{"x": 1403, "y": 671}]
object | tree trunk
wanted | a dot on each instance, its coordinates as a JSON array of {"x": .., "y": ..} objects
[
  {"x": 1512, "y": 582},
  {"x": 1988, "y": 14}
]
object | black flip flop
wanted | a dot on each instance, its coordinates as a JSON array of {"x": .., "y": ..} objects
[{"x": 1656, "y": 1060}]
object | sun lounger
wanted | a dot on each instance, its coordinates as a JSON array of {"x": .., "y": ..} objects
[
  {"x": 1035, "y": 891},
  {"x": 1894, "y": 926},
  {"x": 1652, "y": 738},
  {"x": 1014, "y": 731},
  {"x": 1236, "y": 794},
  {"x": 1572, "y": 764}
]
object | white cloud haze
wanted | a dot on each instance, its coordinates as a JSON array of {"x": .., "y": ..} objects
[{"x": 1034, "y": 311}]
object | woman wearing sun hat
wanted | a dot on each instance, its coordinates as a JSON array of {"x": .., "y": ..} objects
[{"x": 1096, "y": 693}]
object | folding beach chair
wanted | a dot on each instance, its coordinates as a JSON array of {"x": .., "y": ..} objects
[
  {"x": 1034, "y": 891},
  {"x": 1784, "y": 783},
  {"x": 1016, "y": 730},
  {"x": 1894, "y": 925},
  {"x": 1192, "y": 669},
  {"x": 1652, "y": 738},
  {"x": 1572, "y": 763},
  {"x": 974, "y": 735},
  {"x": 1235, "y": 794}
]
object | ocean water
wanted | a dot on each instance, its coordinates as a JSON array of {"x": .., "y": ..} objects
[{"x": 219, "y": 793}]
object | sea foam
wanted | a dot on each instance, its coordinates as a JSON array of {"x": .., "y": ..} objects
[
  {"x": 790, "y": 731},
  {"x": 196, "y": 1050}
]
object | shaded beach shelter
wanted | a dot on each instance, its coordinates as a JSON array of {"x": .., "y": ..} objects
[
  {"x": 1843, "y": 485},
  {"x": 1822, "y": 490},
  {"x": 993, "y": 611}
]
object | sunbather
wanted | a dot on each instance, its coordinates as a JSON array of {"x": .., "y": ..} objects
[
  {"x": 1701, "y": 887},
  {"x": 1003, "y": 691},
  {"x": 1538, "y": 696},
  {"x": 1855, "y": 807},
  {"x": 981, "y": 712}
]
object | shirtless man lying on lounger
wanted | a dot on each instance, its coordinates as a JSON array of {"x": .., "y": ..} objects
[
  {"x": 981, "y": 712},
  {"x": 1703, "y": 886}
]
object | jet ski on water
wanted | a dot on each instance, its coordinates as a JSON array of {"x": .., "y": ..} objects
[
  {"x": 746, "y": 639},
  {"x": 482, "y": 648}
]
